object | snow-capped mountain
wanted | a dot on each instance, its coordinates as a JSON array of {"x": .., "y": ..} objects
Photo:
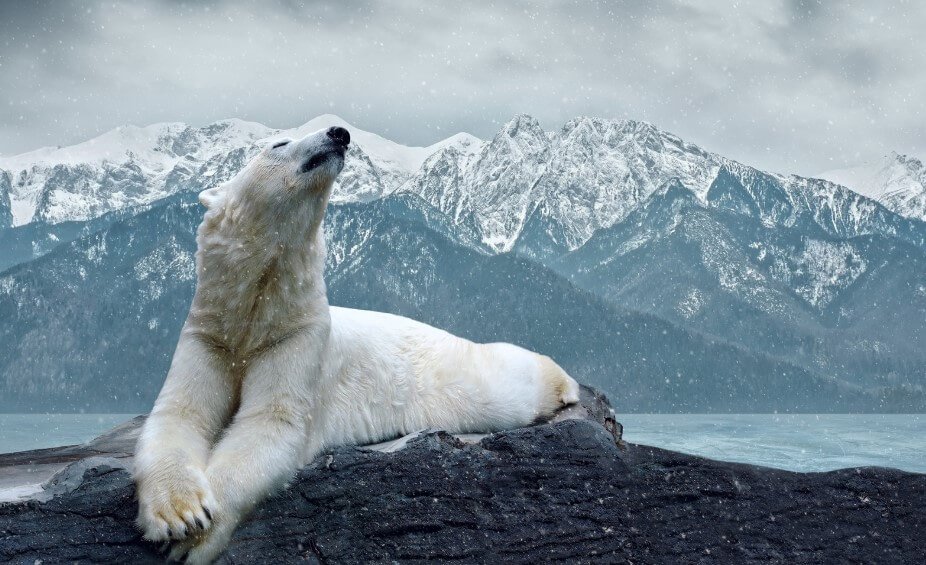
[
  {"x": 123, "y": 167},
  {"x": 782, "y": 277},
  {"x": 896, "y": 181},
  {"x": 564, "y": 185},
  {"x": 593, "y": 172},
  {"x": 132, "y": 166}
]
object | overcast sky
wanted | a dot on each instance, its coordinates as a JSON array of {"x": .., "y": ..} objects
[{"x": 787, "y": 86}]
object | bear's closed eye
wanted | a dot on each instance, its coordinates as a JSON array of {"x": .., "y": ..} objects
[{"x": 280, "y": 143}]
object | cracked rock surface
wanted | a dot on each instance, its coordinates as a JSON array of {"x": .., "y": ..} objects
[{"x": 563, "y": 491}]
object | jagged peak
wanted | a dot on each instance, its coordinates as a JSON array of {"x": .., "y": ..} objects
[
  {"x": 522, "y": 136},
  {"x": 459, "y": 143},
  {"x": 522, "y": 124},
  {"x": 583, "y": 125},
  {"x": 602, "y": 124},
  {"x": 638, "y": 128},
  {"x": 623, "y": 131}
]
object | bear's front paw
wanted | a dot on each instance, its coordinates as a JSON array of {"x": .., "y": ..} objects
[
  {"x": 203, "y": 549},
  {"x": 174, "y": 501}
]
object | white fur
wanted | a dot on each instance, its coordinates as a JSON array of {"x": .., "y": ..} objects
[{"x": 266, "y": 375}]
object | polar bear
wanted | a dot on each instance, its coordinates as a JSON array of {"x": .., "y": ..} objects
[{"x": 266, "y": 375}]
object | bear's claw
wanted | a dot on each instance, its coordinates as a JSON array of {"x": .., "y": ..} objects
[{"x": 175, "y": 506}]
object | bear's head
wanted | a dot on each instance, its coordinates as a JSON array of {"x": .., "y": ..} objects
[{"x": 287, "y": 178}]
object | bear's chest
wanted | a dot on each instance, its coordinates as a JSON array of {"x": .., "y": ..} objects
[{"x": 246, "y": 305}]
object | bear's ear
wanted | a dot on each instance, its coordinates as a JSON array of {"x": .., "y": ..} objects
[{"x": 212, "y": 198}]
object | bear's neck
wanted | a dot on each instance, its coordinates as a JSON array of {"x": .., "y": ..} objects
[{"x": 259, "y": 281}]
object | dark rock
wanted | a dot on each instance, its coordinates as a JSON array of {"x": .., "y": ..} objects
[{"x": 563, "y": 491}]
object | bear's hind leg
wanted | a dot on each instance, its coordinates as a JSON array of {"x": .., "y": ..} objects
[{"x": 561, "y": 389}]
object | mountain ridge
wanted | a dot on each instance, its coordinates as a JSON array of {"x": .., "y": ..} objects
[
  {"x": 794, "y": 273},
  {"x": 587, "y": 176},
  {"x": 133, "y": 165}
]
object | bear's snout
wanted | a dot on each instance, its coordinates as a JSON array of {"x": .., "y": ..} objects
[{"x": 339, "y": 135}]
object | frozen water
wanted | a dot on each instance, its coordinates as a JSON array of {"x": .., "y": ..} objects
[
  {"x": 23, "y": 432},
  {"x": 796, "y": 442}
]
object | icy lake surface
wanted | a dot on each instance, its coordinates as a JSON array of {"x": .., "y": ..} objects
[
  {"x": 802, "y": 442},
  {"x": 797, "y": 442},
  {"x": 22, "y": 432}
]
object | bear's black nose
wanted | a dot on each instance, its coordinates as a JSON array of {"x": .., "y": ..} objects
[{"x": 340, "y": 135}]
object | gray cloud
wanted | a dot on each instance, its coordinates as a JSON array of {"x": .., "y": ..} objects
[{"x": 794, "y": 86}]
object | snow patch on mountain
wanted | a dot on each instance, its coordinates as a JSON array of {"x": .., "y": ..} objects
[
  {"x": 691, "y": 304},
  {"x": 828, "y": 267},
  {"x": 6, "y": 207},
  {"x": 169, "y": 262}
]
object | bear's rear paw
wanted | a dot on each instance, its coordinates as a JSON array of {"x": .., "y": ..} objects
[{"x": 174, "y": 502}]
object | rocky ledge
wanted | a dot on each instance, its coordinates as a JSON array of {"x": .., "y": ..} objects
[{"x": 568, "y": 490}]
